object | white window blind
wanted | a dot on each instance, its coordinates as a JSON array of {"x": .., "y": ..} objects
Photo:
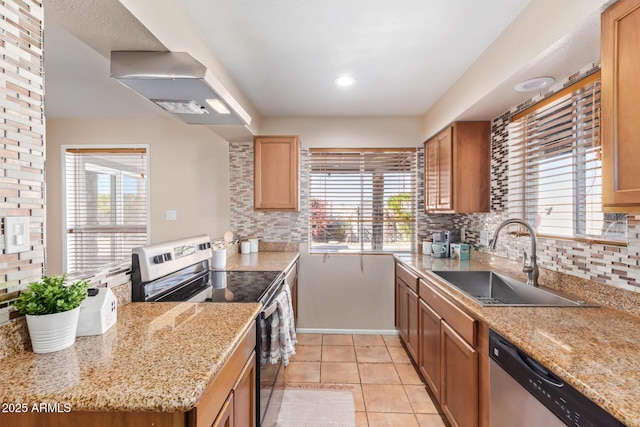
[
  {"x": 555, "y": 167},
  {"x": 106, "y": 192},
  {"x": 362, "y": 200}
]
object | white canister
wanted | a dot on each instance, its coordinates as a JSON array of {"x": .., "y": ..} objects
[
  {"x": 426, "y": 247},
  {"x": 245, "y": 247},
  {"x": 254, "y": 244},
  {"x": 219, "y": 258}
]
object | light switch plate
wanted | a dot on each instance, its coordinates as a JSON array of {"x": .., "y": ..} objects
[
  {"x": 16, "y": 234},
  {"x": 171, "y": 215},
  {"x": 485, "y": 236}
]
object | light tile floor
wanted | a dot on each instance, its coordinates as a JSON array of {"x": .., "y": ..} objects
[{"x": 387, "y": 390}]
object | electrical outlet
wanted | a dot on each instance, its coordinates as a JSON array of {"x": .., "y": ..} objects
[
  {"x": 171, "y": 215},
  {"x": 485, "y": 237}
]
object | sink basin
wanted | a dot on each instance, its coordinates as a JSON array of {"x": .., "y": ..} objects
[{"x": 493, "y": 289}]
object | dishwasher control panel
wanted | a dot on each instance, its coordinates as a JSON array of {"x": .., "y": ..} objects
[{"x": 569, "y": 405}]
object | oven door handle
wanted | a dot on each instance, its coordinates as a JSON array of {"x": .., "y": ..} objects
[{"x": 267, "y": 312}]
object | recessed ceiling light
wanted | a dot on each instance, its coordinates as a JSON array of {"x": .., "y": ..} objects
[
  {"x": 345, "y": 81},
  {"x": 536, "y": 83}
]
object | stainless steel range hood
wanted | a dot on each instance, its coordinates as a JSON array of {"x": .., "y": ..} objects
[{"x": 181, "y": 85}]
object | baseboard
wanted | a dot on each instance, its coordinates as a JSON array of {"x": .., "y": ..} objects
[{"x": 347, "y": 331}]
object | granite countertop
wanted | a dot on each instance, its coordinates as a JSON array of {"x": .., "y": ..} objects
[
  {"x": 261, "y": 261},
  {"x": 157, "y": 357},
  {"x": 593, "y": 349}
]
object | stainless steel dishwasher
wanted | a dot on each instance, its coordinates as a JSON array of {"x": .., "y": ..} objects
[{"x": 523, "y": 393}]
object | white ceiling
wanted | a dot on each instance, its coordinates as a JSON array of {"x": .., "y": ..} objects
[
  {"x": 404, "y": 54},
  {"x": 284, "y": 55}
]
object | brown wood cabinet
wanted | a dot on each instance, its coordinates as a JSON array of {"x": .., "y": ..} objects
[
  {"x": 457, "y": 169},
  {"x": 454, "y": 358},
  {"x": 449, "y": 349},
  {"x": 429, "y": 354},
  {"x": 459, "y": 393},
  {"x": 407, "y": 308},
  {"x": 225, "y": 417},
  {"x": 276, "y": 173},
  {"x": 620, "y": 90}
]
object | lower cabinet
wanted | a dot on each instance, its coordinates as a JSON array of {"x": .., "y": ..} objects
[
  {"x": 459, "y": 394},
  {"x": 240, "y": 407},
  {"x": 446, "y": 348},
  {"x": 429, "y": 354},
  {"x": 407, "y": 309},
  {"x": 225, "y": 417},
  {"x": 231, "y": 399}
]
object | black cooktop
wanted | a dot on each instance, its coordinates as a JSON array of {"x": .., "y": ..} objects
[{"x": 242, "y": 286}]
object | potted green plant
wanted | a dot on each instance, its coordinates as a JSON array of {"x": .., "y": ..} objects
[{"x": 52, "y": 310}]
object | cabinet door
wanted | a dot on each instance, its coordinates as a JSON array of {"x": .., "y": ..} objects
[
  {"x": 620, "y": 91},
  {"x": 225, "y": 417},
  {"x": 276, "y": 173},
  {"x": 459, "y": 393},
  {"x": 412, "y": 324},
  {"x": 430, "y": 174},
  {"x": 403, "y": 309},
  {"x": 438, "y": 172},
  {"x": 445, "y": 169},
  {"x": 244, "y": 395},
  {"x": 429, "y": 351}
]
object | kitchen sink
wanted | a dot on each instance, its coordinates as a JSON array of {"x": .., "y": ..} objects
[{"x": 493, "y": 289}]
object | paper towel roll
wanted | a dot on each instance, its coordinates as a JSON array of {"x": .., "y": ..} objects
[{"x": 219, "y": 258}]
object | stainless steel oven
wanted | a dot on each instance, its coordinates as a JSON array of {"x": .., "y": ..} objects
[{"x": 179, "y": 271}]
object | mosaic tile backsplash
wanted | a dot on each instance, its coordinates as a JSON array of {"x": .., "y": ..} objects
[
  {"x": 267, "y": 226},
  {"x": 22, "y": 146}
]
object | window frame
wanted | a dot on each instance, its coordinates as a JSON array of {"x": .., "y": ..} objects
[
  {"x": 63, "y": 160},
  {"x": 414, "y": 217},
  {"x": 593, "y": 78}
]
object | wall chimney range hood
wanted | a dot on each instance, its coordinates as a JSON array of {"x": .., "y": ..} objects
[{"x": 181, "y": 85}]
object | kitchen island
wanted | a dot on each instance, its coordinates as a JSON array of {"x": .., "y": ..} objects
[
  {"x": 593, "y": 349},
  {"x": 155, "y": 365}
]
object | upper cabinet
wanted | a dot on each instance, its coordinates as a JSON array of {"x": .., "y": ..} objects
[
  {"x": 276, "y": 173},
  {"x": 620, "y": 127},
  {"x": 457, "y": 169}
]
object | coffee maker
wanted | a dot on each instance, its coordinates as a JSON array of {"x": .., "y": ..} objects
[{"x": 442, "y": 240}]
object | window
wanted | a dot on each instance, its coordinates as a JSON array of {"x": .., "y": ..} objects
[
  {"x": 555, "y": 167},
  {"x": 106, "y": 198},
  {"x": 362, "y": 200}
]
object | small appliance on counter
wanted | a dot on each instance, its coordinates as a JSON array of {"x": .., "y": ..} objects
[
  {"x": 98, "y": 312},
  {"x": 442, "y": 242}
]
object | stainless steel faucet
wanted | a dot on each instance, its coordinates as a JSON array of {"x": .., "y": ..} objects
[{"x": 532, "y": 267}]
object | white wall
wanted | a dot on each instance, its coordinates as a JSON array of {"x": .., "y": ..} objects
[
  {"x": 189, "y": 173},
  {"x": 347, "y": 132},
  {"x": 348, "y": 292},
  {"x": 541, "y": 25}
]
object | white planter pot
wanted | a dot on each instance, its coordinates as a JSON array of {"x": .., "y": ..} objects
[{"x": 53, "y": 332}]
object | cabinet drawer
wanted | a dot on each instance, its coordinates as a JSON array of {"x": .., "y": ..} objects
[
  {"x": 461, "y": 322},
  {"x": 410, "y": 279}
]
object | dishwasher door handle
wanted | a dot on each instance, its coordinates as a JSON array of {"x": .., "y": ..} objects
[{"x": 539, "y": 370}]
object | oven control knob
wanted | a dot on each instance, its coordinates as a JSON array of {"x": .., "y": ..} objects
[
  {"x": 158, "y": 259},
  {"x": 167, "y": 256}
]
